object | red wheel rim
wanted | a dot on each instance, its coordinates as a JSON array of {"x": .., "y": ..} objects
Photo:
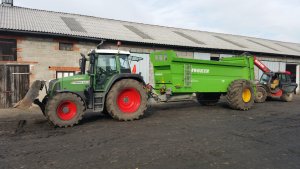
[
  {"x": 66, "y": 110},
  {"x": 129, "y": 100}
]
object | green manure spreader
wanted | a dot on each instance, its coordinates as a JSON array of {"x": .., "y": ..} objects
[
  {"x": 232, "y": 77},
  {"x": 106, "y": 84}
]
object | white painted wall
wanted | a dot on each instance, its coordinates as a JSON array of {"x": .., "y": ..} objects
[
  {"x": 298, "y": 78},
  {"x": 142, "y": 66},
  {"x": 226, "y": 56},
  {"x": 202, "y": 56}
]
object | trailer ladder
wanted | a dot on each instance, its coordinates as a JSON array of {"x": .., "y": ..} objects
[{"x": 187, "y": 75}]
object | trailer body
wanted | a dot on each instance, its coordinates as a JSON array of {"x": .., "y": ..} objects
[{"x": 182, "y": 75}]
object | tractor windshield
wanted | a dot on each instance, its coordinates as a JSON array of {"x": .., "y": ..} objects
[{"x": 265, "y": 78}]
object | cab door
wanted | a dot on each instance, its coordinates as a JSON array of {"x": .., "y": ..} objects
[
  {"x": 286, "y": 83},
  {"x": 106, "y": 68}
]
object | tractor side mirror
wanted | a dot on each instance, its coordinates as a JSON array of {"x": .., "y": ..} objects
[{"x": 135, "y": 58}]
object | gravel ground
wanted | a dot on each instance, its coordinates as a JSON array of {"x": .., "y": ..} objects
[{"x": 173, "y": 135}]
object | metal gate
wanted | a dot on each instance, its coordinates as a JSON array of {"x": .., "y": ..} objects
[{"x": 14, "y": 84}]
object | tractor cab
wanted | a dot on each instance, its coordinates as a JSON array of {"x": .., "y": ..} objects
[
  {"x": 278, "y": 82},
  {"x": 105, "y": 64}
]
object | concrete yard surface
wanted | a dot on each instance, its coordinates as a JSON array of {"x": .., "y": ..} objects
[{"x": 181, "y": 135}]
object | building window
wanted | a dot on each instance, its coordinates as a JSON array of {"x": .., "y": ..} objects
[
  {"x": 62, "y": 74},
  {"x": 8, "y": 50},
  {"x": 66, "y": 46},
  {"x": 215, "y": 58}
]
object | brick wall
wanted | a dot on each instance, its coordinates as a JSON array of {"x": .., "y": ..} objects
[{"x": 43, "y": 53}]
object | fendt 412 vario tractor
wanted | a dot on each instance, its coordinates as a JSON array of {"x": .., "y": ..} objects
[
  {"x": 274, "y": 84},
  {"x": 107, "y": 86}
]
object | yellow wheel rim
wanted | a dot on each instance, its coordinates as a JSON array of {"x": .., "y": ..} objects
[{"x": 247, "y": 95}]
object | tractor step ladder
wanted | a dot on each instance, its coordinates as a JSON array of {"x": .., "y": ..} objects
[{"x": 98, "y": 102}]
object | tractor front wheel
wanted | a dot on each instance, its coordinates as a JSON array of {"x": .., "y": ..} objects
[
  {"x": 127, "y": 100},
  {"x": 64, "y": 110},
  {"x": 240, "y": 95},
  {"x": 261, "y": 95}
]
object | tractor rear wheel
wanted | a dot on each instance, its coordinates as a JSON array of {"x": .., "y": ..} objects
[
  {"x": 208, "y": 99},
  {"x": 240, "y": 95},
  {"x": 287, "y": 97},
  {"x": 64, "y": 110},
  {"x": 127, "y": 100},
  {"x": 261, "y": 95}
]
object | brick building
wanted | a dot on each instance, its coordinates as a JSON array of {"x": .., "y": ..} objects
[{"x": 39, "y": 44}]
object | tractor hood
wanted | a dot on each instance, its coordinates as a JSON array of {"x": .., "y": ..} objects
[{"x": 77, "y": 83}]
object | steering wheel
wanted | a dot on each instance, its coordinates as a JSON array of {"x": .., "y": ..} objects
[{"x": 101, "y": 70}]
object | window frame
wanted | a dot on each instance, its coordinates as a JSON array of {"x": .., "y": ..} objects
[
  {"x": 63, "y": 72},
  {"x": 13, "y": 48},
  {"x": 63, "y": 46}
]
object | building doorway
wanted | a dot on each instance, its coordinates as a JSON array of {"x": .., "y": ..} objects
[
  {"x": 293, "y": 69},
  {"x": 295, "y": 73},
  {"x": 14, "y": 84}
]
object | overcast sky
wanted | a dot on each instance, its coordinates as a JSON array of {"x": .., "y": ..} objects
[{"x": 270, "y": 19}]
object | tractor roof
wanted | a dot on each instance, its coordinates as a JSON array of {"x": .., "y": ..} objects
[{"x": 111, "y": 51}]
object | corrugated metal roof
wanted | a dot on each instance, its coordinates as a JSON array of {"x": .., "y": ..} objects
[{"x": 40, "y": 21}]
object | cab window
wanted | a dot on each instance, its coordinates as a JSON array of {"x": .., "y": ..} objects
[
  {"x": 282, "y": 78},
  {"x": 264, "y": 79},
  {"x": 124, "y": 64},
  {"x": 106, "y": 63}
]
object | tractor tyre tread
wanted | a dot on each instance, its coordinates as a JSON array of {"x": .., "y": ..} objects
[
  {"x": 264, "y": 95},
  {"x": 53, "y": 103},
  {"x": 287, "y": 97},
  {"x": 111, "y": 100},
  {"x": 234, "y": 95}
]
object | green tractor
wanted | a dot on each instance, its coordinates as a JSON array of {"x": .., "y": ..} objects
[{"x": 107, "y": 86}]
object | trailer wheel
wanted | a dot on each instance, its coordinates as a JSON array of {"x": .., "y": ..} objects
[
  {"x": 209, "y": 99},
  {"x": 287, "y": 97},
  {"x": 261, "y": 95},
  {"x": 127, "y": 100},
  {"x": 64, "y": 110},
  {"x": 240, "y": 95}
]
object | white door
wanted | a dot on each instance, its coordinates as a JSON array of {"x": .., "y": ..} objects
[{"x": 142, "y": 66}]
